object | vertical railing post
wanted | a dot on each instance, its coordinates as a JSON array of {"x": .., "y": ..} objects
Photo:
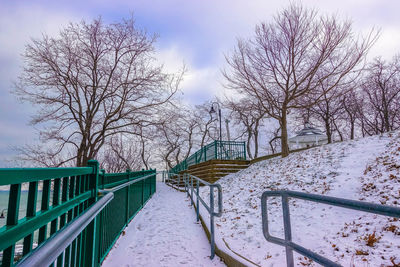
[
  {"x": 191, "y": 189},
  {"x": 127, "y": 197},
  {"x": 151, "y": 184},
  {"x": 287, "y": 229},
  {"x": 215, "y": 150},
  {"x": 44, "y": 206},
  {"x": 30, "y": 212},
  {"x": 103, "y": 174},
  {"x": 12, "y": 219},
  {"x": 187, "y": 184},
  {"x": 142, "y": 182},
  {"x": 155, "y": 181},
  {"x": 197, "y": 201},
  {"x": 212, "y": 222},
  {"x": 91, "y": 250},
  {"x": 244, "y": 150}
]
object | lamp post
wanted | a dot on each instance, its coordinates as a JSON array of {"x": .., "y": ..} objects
[{"x": 212, "y": 110}]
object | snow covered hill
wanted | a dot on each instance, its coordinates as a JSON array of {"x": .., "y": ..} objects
[{"x": 367, "y": 169}]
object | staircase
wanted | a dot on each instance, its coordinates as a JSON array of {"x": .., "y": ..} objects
[{"x": 213, "y": 170}]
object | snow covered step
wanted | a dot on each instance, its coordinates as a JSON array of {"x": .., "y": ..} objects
[{"x": 213, "y": 170}]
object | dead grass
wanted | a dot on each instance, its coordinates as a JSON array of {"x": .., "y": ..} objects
[{"x": 371, "y": 239}]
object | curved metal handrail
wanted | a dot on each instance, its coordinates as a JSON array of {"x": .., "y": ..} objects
[{"x": 333, "y": 201}]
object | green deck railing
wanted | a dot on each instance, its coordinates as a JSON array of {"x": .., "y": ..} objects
[
  {"x": 224, "y": 150},
  {"x": 56, "y": 197}
]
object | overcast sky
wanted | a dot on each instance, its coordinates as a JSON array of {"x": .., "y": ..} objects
[{"x": 197, "y": 33}]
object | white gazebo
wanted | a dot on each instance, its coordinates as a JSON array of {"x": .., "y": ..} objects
[{"x": 308, "y": 137}]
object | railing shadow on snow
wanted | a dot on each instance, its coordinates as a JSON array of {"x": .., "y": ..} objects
[
  {"x": 289, "y": 245},
  {"x": 191, "y": 185}
]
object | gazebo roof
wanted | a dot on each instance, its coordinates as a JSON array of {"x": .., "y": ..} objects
[{"x": 308, "y": 134}]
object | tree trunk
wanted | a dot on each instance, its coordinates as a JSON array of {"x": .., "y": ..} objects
[
  {"x": 143, "y": 154},
  {"x": 328, "y": 131},
  {"x": 351, "y": 130},
  {"x": 386, "y": 118},
  {"x": 248, "y": 144},
  {"x": 256, "y": 144},
  {"x": 284, "y": 135},
  {"x": 338, "y": 131}
]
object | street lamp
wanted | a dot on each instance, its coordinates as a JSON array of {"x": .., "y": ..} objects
[{"x": 212, "y": 110}]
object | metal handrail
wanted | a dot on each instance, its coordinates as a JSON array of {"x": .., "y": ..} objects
[
  {"x": 333, "y": 201},
  {"x": 192, "y": 186},
  {"x": 177, "y": 178},
  {"x": 48, "y": 252},
  {"x": 25, "y": 175},
  {"x": 118, "y": 187}
]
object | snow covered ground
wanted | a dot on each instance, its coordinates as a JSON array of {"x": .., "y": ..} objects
[
  {"x": 367, "y": 169},
  {"x": 163, "y": 233}
]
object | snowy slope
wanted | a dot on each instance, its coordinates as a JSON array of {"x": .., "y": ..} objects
[{"x": 366, "y": 169}]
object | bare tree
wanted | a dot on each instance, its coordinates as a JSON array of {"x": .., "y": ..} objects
[
  {"x": 382, "y": 97},
  {"x": 90, "y": 83},
  {"x": 250, "y": 116},
  {"x": 205, "y": 120},
  {"x": 352, "y": 106},
  {"x": 329, "y": 109},
  {"x": 120, "y": 154},
  {"x": 288, "y": 59},
  {"x": 175, "y": 136},
  {"x": 274, "y": 138}
]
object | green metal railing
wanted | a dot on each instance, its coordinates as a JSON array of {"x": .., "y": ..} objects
[
  {"x": 224, "y": 150},
  {"x": 127, "y": 202},
  {"x": 66, "y": 195}
]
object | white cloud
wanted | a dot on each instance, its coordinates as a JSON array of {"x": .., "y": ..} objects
[
  {"x": 19, "y": 23},
  {"x": 388, "y": 44},
  {"x": 199, "y": 83}
]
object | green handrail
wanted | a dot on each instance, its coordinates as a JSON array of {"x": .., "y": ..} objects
[
  {"x": 223, "y": 150},
  {"x": 55, "y": 198}
]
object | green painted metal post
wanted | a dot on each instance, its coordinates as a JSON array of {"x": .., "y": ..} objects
[
  {"x": 12, "y": 219},
  {"x": 64, "y": 197},
  {"x": 30, "y": 212},
  {"x": 215, "y": 149},
  {"x": 103, "y": 174},
  {"x": 77, "y": 243},
  {"x": 151, "y": 185},
  {"x": 67, "y": 259},
  {"x": 142, "y": 192},
  {"x": 56, "y": 202},
  {"x": 91, "y": 249},
  {"x": 44, "y": 207},
  {"x": 127, "y": 197}
]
